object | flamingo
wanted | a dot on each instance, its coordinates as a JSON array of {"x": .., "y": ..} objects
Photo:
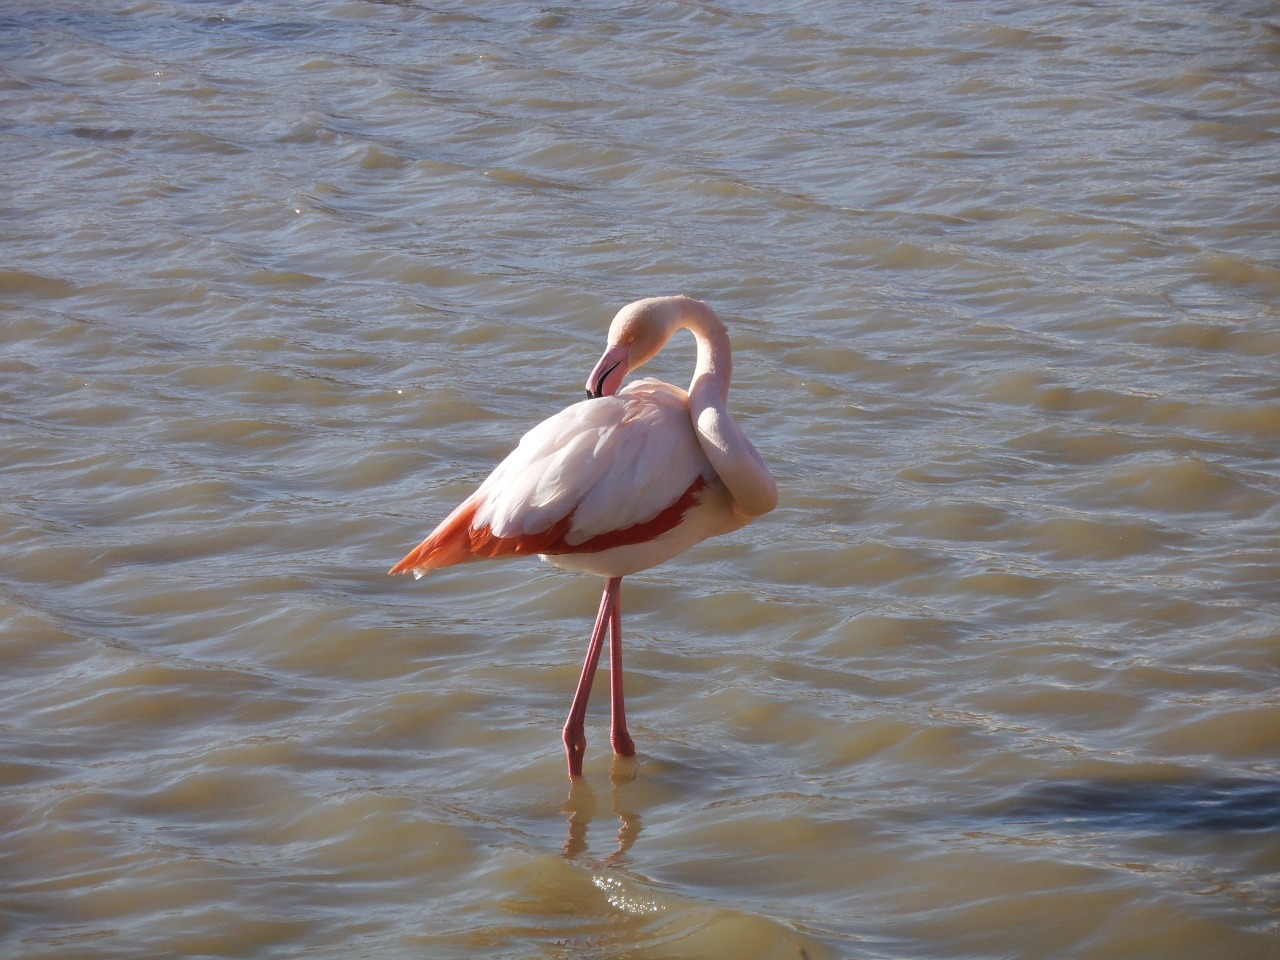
[{"x": 617, "y": 483}]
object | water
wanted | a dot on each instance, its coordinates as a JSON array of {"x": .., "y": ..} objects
[{"x": 281, "y": 282}]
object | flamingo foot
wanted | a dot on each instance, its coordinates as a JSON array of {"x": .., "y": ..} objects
[
  {"x": 623, "y": 745},
  {"x": 575, "y": 748}
]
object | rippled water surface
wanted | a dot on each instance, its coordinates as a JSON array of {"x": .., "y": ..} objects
[{"x": 282, "y": 281}]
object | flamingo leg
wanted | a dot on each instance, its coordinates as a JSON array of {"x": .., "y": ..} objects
[
  {"x": 575, "y": 734},
  {"x": 621, "y": 740}
]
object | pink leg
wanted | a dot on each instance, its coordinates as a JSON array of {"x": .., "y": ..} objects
[
  {"x": 575, "y": 734},
  {"x": 622, "y": 743}
]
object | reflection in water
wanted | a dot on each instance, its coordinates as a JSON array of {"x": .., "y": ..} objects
[{"x": 581, "y": 806}]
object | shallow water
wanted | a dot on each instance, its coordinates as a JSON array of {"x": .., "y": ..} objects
[{"x": 281, "y": 282}]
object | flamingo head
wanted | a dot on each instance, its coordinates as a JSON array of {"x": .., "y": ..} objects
[{"x": 638, "y": 333}]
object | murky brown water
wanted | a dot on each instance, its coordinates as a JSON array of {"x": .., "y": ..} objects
[{"x": 281, "y": 282}]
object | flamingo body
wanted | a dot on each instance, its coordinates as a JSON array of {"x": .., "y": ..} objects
[
  {"x": 607, "y": 486},
  {"x": 617, "y": 483}
]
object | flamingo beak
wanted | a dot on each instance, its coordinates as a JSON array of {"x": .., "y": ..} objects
[{"x": 606, "y": 378}]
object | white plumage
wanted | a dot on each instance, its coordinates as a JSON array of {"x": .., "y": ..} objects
[{"x": 609, "y": 463}]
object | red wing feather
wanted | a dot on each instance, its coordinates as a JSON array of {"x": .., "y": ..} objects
[{"x": 456, "y": 540}]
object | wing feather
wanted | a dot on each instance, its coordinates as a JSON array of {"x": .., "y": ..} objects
[{"x": 603, "y": 471}]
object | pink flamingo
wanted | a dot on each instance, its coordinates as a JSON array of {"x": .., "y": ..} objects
[{"x": 617, "y": 483}]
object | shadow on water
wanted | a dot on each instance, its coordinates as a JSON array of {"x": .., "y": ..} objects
[{"x": 1225, "y": 804}]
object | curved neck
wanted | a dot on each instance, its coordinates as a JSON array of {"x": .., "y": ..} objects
[
  {"x": 736, "y": 461},
  {"x": 713, "y": 370}
]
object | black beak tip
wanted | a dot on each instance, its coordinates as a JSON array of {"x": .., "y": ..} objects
[{"x": 598, "y": 392}]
